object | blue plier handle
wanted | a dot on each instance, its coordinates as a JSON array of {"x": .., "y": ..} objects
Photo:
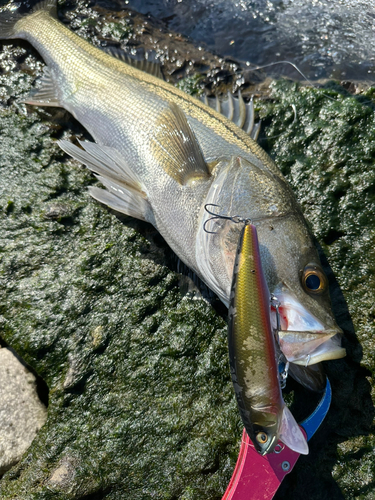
[{"x": 312, "y": 423}]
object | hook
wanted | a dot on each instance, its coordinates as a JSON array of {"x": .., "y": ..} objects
[{"x": 233, "y": 218}]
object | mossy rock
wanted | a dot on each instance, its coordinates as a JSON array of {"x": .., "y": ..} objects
[{"x": 141, "y": 403}]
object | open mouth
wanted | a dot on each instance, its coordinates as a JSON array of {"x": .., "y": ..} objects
[
  {"x": 308, "y": 348},
  {"x": 303, "y": 339}
]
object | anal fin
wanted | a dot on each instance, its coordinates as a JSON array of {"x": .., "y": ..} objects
[{"x": 46, "y": 94}]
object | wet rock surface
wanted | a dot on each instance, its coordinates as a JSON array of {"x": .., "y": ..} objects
[
  {"x": 141, "y": 403},
  {"x": 22, "y": 414}
]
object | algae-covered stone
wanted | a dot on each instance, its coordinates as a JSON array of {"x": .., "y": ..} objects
[
  {"x": 141, "y": 403},
  {"x": 140, "y": 400}
]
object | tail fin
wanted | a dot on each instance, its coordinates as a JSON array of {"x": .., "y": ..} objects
[
  {"x": 291, "y": 434},
  {"x": 10, "y": 18}
]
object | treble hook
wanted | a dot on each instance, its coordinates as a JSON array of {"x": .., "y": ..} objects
[
  {"x": 234, "y": 218},
  {"x": 283, "y": 373}
]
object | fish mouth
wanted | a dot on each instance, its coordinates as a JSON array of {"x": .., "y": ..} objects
[
  {"x": 309, "y": 348},
  {"x": 303, "y": 339}
]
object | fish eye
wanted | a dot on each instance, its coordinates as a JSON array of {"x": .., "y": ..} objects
[
  {"x": 314, "y": 281},
  {"x": 261, "y": 437}
]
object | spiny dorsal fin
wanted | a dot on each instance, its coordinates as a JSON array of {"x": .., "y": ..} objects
[
  {"x": 236, "y": 110},
  {"x": 46, "y": 94},
  {"x": 176, "y": 147},
  {"x": 151, "y": 67}
]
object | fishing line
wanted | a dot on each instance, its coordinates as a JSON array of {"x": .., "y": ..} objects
[
  {"x": 293, "y": 66},
  {"x": 300, "y": 72}
]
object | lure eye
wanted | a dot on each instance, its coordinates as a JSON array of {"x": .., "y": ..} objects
[
  {"x": 261, "y": 437},
  {"x": 314, "y": 281}
]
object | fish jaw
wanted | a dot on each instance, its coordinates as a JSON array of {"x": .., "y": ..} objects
[
  {"x": 304, "y": 339},
  {"x": 305, "y": 348}
]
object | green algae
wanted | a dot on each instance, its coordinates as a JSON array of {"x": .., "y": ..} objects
[
  {"x": 118, "y": 31},
  {"x": 324, "y": 142},
  {"x": 140, "y": 402},
  {"x": 191, "y": 84}
]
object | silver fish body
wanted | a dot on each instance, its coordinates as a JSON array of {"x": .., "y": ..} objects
[{"x": 163, "y": 155}]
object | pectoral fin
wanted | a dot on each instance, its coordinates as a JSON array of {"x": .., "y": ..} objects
[
  {"x": 176, "y": 148},
  {"x": 291, "y": 435}
]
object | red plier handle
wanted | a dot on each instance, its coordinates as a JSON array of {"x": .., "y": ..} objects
[{"x": 258, "y": 478}]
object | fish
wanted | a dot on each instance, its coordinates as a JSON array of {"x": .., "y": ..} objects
[
  {"x": 163, "y": 156},
  {"x": 252, "y": 354}
]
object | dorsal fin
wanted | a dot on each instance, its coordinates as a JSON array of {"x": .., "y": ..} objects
[
  {"x": 176, "y": 147},
  {"x": 49, "y": 5},
  {"x": 151, "y": 67},
  {"x": 236, "y": 110}
]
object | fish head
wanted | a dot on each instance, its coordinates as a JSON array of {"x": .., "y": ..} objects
[
  {"x": 290, "y": 261},
  {"x": 308, "y": 332}
]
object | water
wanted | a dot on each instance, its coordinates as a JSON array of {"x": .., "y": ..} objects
[{"x": 324, "y": 38}]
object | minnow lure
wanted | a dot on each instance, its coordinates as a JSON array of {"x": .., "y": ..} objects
[{"x": 252, "y": 354}]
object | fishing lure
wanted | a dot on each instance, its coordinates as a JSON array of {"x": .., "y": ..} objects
[{"x": 252, "y": 354}]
